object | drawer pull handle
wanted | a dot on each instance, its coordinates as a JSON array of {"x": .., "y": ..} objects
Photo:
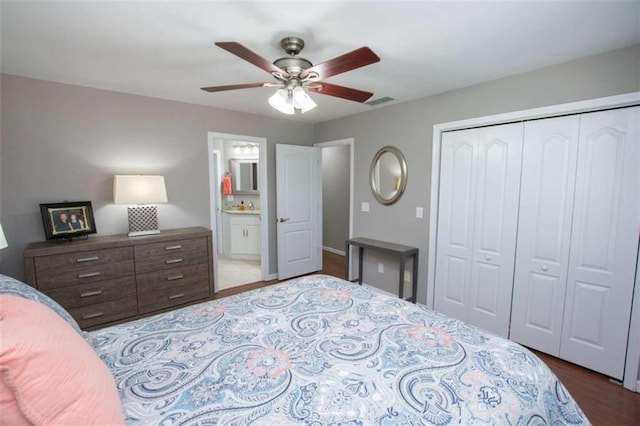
[
  {"x": 93, "y": 315},
  {"x": 87, "y": 259},
  {"x": 169, "y": 262},
  {"x": 89, "y": 275},
  {"x": 176, "y": 296},
  {"x": 175, "y": 277},
  {"x": 91, "y": 293},
  {"x": 176, "y": 247}
]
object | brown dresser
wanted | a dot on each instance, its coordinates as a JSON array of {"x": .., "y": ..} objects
[{"x": 104, "y": 280}]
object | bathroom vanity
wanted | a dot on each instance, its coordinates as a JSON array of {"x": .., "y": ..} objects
[{"x": 242, "y": 236}]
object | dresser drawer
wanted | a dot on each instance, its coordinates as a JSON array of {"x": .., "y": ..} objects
[
  {"x": 171, "y": 260},
  {"x": 172, "y": 278},
  {"x": 101, "y": 313},
  {"x": 62, "y": 278},
  {"x": 82, "y": 259},
  {"x": 179, "y": 294},
  {"x": 91, "y": 293},
  {"x": 171, "y": 247}
]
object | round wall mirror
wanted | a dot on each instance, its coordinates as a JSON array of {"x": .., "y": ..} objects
[{"x": 388, "y": 175}]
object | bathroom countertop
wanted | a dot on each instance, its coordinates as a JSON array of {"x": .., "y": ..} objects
[{"x": 246, "y": 211}]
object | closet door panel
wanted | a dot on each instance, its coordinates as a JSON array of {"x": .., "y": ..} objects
[
  {"x": 544, "y": 231},
  {"x": 455, "y": 222},
  {"x": 495, "y": 226},
  {"x": 604, "y": 242}
]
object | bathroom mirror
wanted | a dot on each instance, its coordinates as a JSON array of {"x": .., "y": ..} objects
[
  {"x": 388, "y": 175},
  {"x": 244, "y": 175}
]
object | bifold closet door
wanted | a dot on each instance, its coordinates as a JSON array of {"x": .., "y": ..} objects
[
  {"x": 477, "y": 223},
  {"x": 550, "y": 153},
  {"x": 604, "y": 241}
]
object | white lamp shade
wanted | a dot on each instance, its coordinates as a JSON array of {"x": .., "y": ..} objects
[
  {"x": 302, "y": 100},
  {"x": 3, "y": 240},
  {"x": 281, "y": 101},
  {"x": 139, "y": 189}
]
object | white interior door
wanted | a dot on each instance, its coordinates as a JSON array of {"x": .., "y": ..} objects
[
  {"x": 604, "y": 241},
  {"x": 299, "y": 210},
  {"x": 455, "y": 222},
  {"x": 495, "y": 226},
  {"x": 544, "y": 230}
]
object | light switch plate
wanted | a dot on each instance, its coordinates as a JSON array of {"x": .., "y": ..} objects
[
  {"x": 365, "y": 207},
  {"x": 381, "y": 268},
  {"x": 419, "y": 212}
]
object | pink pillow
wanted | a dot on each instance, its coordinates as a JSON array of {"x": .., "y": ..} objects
[{"x": 48, "y": 373}]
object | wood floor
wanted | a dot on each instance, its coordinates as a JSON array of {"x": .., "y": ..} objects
[{"x": 604, "y": 402}]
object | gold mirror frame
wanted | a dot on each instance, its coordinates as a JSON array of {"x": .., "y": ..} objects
[{"x": 400, "y": 184}]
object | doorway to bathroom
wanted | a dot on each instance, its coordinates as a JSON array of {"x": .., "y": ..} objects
[{"x": 238, "y": 204}]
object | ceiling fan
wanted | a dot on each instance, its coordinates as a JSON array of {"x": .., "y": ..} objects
[{"x": 295, "y": 75}]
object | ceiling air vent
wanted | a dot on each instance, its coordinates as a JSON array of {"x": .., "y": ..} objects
[{"x": 380, "y": 101}]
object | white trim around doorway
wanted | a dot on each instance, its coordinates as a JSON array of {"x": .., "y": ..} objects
[
  {"x": 264, "y": 200},
  {"x": 350, "y": 143}
]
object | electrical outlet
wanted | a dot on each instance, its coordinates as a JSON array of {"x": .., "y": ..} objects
[
  {"x": 407, "y": 276},
  {"x": 381, "y": 268},
  {"x": 419, "y": 212},
  {"x": 364, "y": 207}
]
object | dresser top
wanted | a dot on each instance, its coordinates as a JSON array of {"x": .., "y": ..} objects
[{"x": 45, "y": 248}]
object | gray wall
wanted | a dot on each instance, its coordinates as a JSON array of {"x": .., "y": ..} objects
[
  {"x": 335, "y": 196},
  {"x": 64, "y": 142},
  {"x": 409, "y": 126}
]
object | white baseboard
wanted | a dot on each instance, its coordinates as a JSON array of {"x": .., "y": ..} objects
[
  {"x": 638, "y": 386},
  {"x": 334, "y": 251},
  {"x": 271, "y": 277}
]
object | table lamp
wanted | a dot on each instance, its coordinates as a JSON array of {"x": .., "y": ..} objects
[{"x": 143, "y": 191}]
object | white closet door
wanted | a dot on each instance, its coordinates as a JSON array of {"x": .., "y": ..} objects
[
  {"x": 544, "y": 231},
  {"x": 455, "y": 222},
  {"x": 495, "y": 226},
  {"x": 604, "y": 241}
]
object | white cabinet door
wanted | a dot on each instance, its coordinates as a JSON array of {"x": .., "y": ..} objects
[
  {"x": 495, "y": 226},
  {"x": 477, "y": 222},
  {"x": 455, "y": 222},
  {"x": 237, "y": 237},
  {"x": 604, "y": 241},
  {"x": 252, "y": 239},
  {"x": 544, "y": 230}
]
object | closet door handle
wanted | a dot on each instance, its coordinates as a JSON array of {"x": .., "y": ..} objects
[
  {"x": 487, "y": 258},
  {"x": 544, "y": 268}
]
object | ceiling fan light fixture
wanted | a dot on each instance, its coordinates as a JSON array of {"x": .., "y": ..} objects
[
  {"x": 281, "y": 101},
  {"x": 302, "y": 100}
]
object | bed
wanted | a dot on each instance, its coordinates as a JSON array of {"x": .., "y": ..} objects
[{"x": 321, "y": 350}]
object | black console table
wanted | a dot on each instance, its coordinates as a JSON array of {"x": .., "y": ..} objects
[{"x": 403, "y": 252}]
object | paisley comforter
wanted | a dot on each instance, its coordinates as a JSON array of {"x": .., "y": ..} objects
[{"x": 320, "y": 350}]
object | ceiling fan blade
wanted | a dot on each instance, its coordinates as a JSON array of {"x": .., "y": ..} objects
[
  {"x": 347, "y": 62},
  {"x": 233, "y": 87},
  {"x": 250, "y": 56},
  {"x": 340, "y": 91}
]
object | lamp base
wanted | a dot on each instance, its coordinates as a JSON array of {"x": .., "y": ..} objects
[
  {"x": 143, "y": 220},
  {"x": 139, "y": 233}
]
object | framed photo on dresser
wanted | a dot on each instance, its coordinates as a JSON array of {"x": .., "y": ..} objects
[{"x": 67, "y": 220}]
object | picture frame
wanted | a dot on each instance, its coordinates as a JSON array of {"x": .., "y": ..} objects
[{"x": 67, "y": 220}]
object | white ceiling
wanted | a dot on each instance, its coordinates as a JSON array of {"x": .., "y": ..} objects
[{"x": 165, "y": 49}]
